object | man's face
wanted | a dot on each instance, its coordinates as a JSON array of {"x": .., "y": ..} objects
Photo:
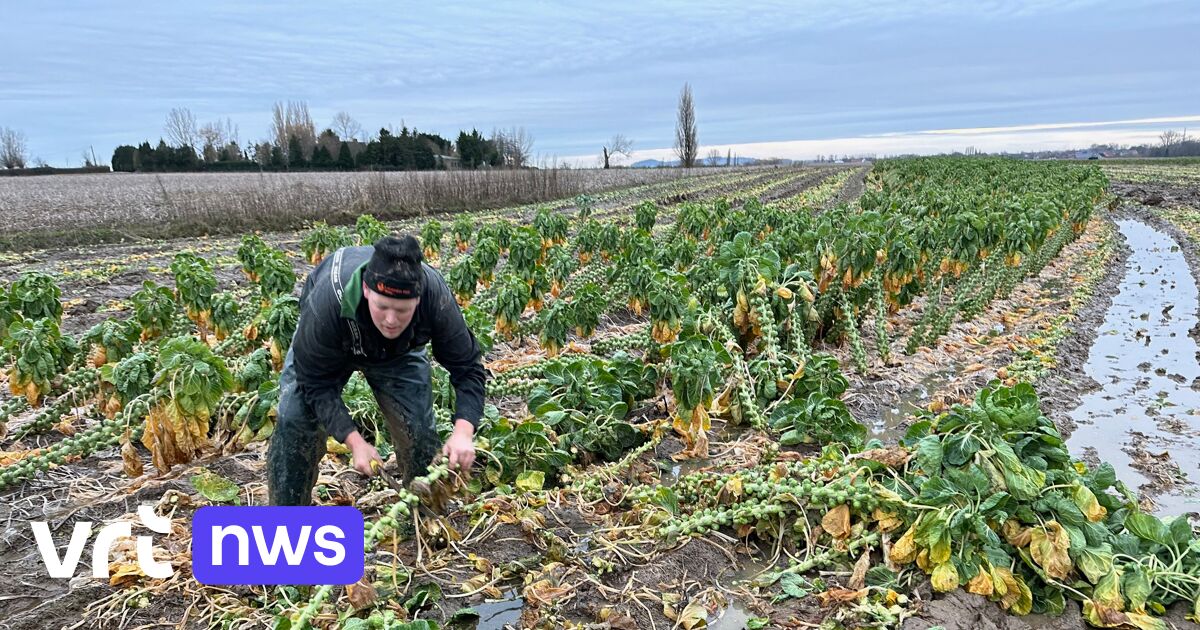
[{"x": 390, "y": 315}]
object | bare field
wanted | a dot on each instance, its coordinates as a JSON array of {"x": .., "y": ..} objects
[{"x": 116, "y": 206}]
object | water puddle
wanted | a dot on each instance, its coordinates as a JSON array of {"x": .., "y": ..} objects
[
  {"x": 501, "y": 613},
  {"x": 891, "y": 425},
  {"x": 733, "y": 617},
  {"x": 1146, "y": 410},
  {"x": 673, "y": 472}
]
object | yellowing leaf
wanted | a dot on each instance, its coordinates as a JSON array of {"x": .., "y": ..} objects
[
  {"x": 124, "y": 573},
  {"x": 1108, "y": 591},
  {"x": 837, "y": 596},
  {"x": 1024, "y": 603},
  {"x": 693, "y": 617},
  {"x": 1006, "y": 586},
  {"x": 939, "y": 553},
  {"x": 669, "y": 601},
  {"x": 531, "y": 481},
  {"x": 837, "y": 522},
  {"x": 732, "y": 489},
  {"x": 214, "y": 487},
  {"x": 1103, "y": 616},
  {"x": 1086, "y": 500},
  {"x": 1014, "y": 534},
  {"x": 923, "y": 561},
  {"x": 944, "y": 577},
  {"x": 1049, "y": 545},
  {"x": 886, "y": 521},
  {"x": 981, "y": 584},
  {"x": 1145, "y": 621},
  {"x": 779, "y": 471},
  {"x": 473, "y": 584},
  {"x": 543, "y": 593}
]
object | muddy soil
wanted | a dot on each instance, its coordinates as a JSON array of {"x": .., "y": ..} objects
[
  {"x": 798, "y": 186},
  {"x": 1157, "y": 194},
  {"x": 1061, "y": 390},
  {"x": 96, "y": 491},
  {"x": 852, "y": 189},
  {"x": 960, "y": 610}
]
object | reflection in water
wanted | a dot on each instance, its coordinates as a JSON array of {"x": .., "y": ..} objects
[
  {"x": 500, "y": 614},
  {"x": 1145, "y": 363}
]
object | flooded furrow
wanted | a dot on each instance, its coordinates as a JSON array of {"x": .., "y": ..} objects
[{"x": 1143, "y": 419}]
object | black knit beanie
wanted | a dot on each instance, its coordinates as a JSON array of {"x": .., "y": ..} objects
[{"x": 394, "y": 270}]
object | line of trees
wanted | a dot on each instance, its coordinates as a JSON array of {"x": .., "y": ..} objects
[
  {"x": 1172, "y": 143},
  {"x": 294, "y": 144}
]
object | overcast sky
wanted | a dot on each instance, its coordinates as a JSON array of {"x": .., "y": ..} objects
[{"x": 792, "y": 78}]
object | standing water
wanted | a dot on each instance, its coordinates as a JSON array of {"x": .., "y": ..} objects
[{"x": 1145, "y": 363}]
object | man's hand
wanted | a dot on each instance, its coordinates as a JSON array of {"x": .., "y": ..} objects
[
  {"x": 460, "y": 447},
  {"x": 363, "y": 453}
]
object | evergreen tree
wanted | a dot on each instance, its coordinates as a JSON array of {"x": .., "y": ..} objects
[
  {"x": 125, "y": 159},
  {"x": 345, "y": 159},
  {"x": 145, "y": 157},
  {"x": 164, "y": 157},
  {"x": 277, "y": 161},
  {"x": 321, "y": 157},
  {"x": 295, "y": 154}
]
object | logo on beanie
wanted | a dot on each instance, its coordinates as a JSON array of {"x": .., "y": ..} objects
[{"x": 391, "y": 291}]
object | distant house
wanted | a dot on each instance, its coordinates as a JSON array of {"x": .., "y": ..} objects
[{"x": 449, "y": 161}]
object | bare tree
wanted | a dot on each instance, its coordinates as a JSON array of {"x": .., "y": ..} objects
[
  {"x": 713, "y": 158},
  {"x": 217, "y": 136},
  {"x": 13, "y": 153},
  {"x": 292, "y": 120},
  {"x": 617, "y": 145},
  {"x": 345, "y": 127},
  {"x": 180, "y": 128},
  {"x": 262, "y": 153},
  {"x": 212, "y": 135},
  {"x": 520, "y": 146},
  {"x": 1169, "y": 139},
  {"x": 686, "y": 145},
  {"x": 514, "y": 146}
]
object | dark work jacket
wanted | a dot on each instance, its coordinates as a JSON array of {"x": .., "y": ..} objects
[{"x": 335, "y": 336}]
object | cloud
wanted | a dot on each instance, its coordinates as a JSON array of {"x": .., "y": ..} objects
[
  {"x": 77, "y": 75},
  {"x": 978, "y": 131},
  {"x": 1016, "y": 138}
]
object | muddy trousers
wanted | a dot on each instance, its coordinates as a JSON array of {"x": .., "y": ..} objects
[{"x": 402, "y": 389}]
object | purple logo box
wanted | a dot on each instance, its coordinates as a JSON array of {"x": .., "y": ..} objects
[{"x": 247, "y": 545}]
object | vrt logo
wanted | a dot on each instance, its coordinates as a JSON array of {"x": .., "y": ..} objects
[{"x": 102, "y": 548}]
